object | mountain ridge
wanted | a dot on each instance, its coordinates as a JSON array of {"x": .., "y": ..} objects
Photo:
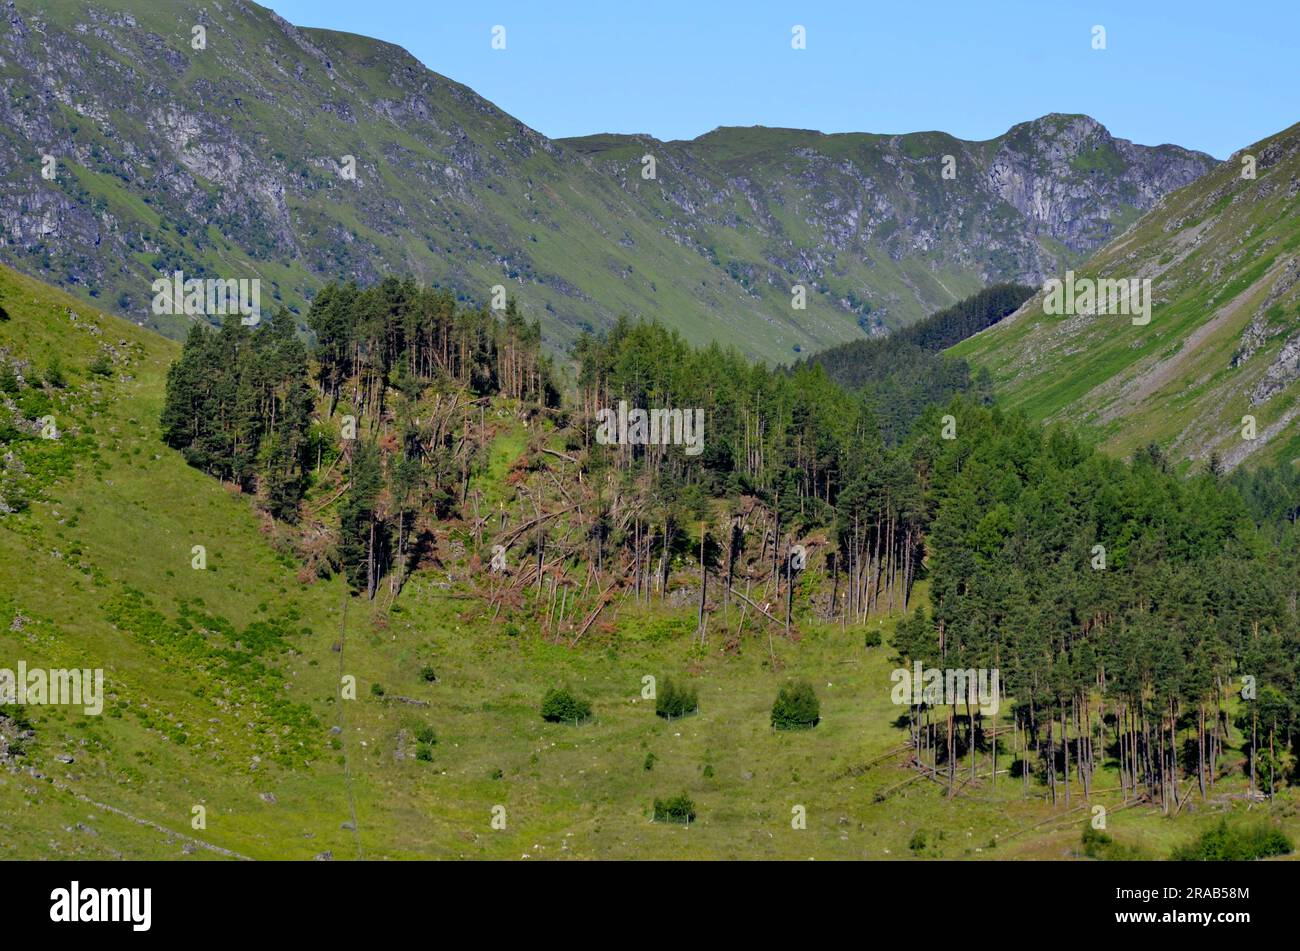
[{"x": 226, "y": 162}]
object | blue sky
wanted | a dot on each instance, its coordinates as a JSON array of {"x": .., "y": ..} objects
[{"x": 1211, "y": 76}]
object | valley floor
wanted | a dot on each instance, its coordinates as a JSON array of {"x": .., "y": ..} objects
[{"x": 567, "y": 791}]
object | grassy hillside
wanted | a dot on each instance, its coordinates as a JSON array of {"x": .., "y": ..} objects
[
  {"x": 223, "y": 684},
  {"x": 1223, "y": 255}
]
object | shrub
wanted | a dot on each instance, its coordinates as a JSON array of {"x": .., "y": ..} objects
[
  {"x": 34, "y": 404},
  {"x": 54, "y": 374},
  {"x": 17, "y": 715},
  {"x": 917, "y": 842},
  {"x": 426, "y": 734},
  {"x": 377, "y": 689},
  {"x": 561, "y": 706},
  {"x": 1099, "y": 845},
  {"x": 1268, "y": 768},
  {"x": 677, "y": 809},
  {"x": 1095, "y": 842},
  {"x": 101, "y": 365},
  {"x": 428, "y": 675},
  {"x": 424, "y": 753},
  {"x": 871, "y": 638},
  {"x": 650, "y": 759},
  {"x": 796, "y": 707},
  {"x": 673, "y": 701},
  {"x": 1225, "y": 843}
]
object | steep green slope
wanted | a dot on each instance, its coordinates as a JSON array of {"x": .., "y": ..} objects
[
  {"x": 227, "y": 162},
  {"x": 1223, "y": 342},
  {"x": 206, "y": 689}
]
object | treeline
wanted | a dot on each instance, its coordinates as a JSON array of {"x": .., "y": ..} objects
[
  {"x": 905, "y": 372},
  {"x": 966, "y": 318},
  {"x": 1124, "y": 607},
  {"x": 386, "y": 420},
  {"x": 370, "y": 339},
  {"x": 239, "y": 405},
  {"x": 1272, "y": 492},
  {"x": 789, "y": 452}
]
